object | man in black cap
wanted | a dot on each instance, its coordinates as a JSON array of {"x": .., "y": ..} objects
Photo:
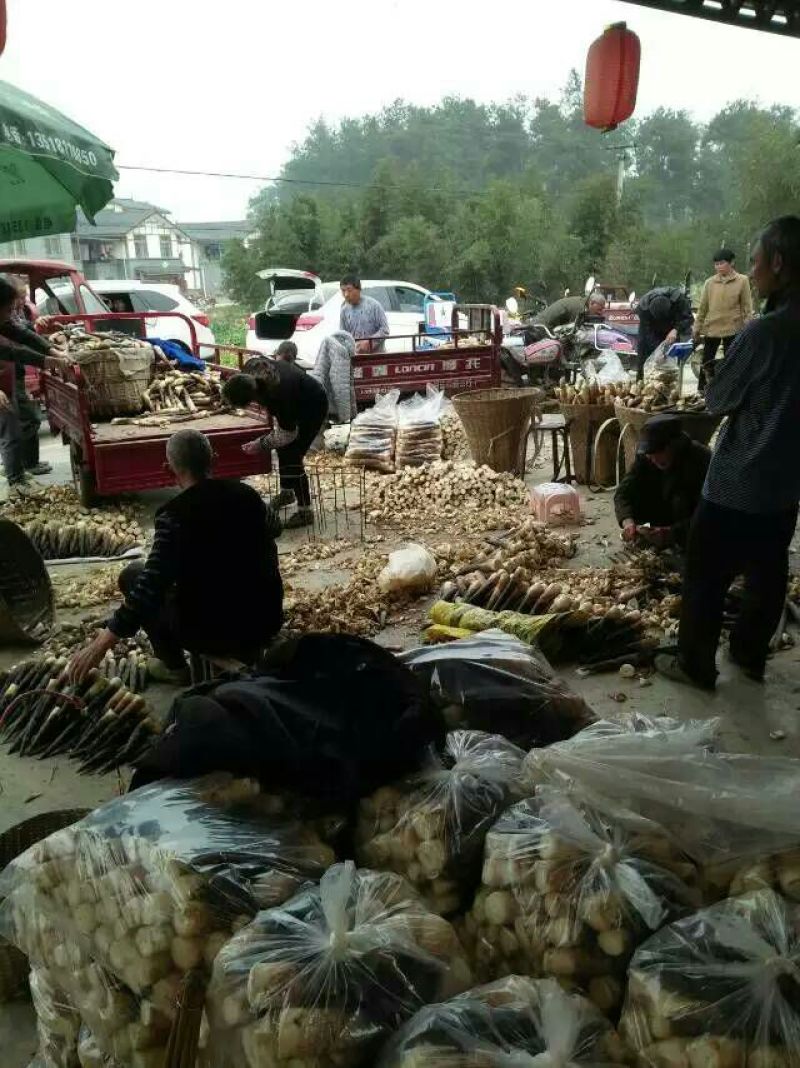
[
  {"x": 657, "y": 498},
  {"x": 665, "y": 314}
]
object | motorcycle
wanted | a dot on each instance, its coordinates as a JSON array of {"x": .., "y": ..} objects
[{"x": 542, "y": 356}]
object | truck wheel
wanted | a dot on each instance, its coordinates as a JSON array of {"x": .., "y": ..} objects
[
  {"x": 82, "y": 477},
  {"x": 510, "y": 371}
]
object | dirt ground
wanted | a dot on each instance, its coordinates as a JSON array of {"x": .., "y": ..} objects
[{"x": 750, "y": 713}]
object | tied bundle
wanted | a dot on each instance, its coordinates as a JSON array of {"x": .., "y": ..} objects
[
  {"x": 326, "y": 978},
  {"x": 516, "y": 1021},
  {"x": 430, "y": 827},
  {"x": 570, "y": 888},
  {"x": 719, "y": 989}
]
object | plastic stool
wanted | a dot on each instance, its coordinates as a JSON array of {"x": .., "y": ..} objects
[{"x": 556, "y": 501}]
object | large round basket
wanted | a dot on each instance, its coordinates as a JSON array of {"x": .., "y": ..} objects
[
  {"x": 13, "y": 963},
  {"x": 496, "y": 422},
  {"x": 584, "y": 420},
  {"x": 116, "y": 379},
  {"x": 26, "y": 594},
  {"x": 700, "y": 426}
]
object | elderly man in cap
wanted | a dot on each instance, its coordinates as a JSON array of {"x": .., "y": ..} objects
[{"x": 656, "y": 500}]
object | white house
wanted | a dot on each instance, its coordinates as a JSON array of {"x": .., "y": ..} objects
[{"x": 137, "y": 240}]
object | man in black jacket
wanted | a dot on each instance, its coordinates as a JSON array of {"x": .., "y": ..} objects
[
  {"x": 663, "y": 488},
  {"x": 665, "y": 314},
  {"x": 182, "y": 597},
  {"x": 299, "y": 405},
  {"x": 20, "y": 346}
]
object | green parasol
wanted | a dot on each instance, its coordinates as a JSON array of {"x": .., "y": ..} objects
[{"x": 48, "y": 166}]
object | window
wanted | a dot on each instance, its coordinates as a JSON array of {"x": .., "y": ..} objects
[
  {"x": 140, "y": 246},
  {"x": 382, "y": 295},
  {"x": 213, "y": 251},
  {"x": 166, "y": 247},
  {"x": 152, "y": 300},
  {"x": 52, "y": 246},
  {"x": 409, "y": 300},
  {"x": 93, "y": 305}
]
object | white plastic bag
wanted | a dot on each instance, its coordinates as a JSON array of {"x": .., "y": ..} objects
[
  {"x": 610, "y": 371},
  {"x": 412, "y": 568}
]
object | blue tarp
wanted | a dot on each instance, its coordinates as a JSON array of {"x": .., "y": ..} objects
[{"x": 176, "y": 350}]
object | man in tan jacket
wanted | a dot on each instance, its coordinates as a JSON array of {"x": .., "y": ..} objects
[{"x": 725, "y": 306}]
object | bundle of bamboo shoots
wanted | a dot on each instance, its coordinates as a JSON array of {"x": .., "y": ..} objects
[
  {"x": 570, "y": 888},
  {"x": 99, "y": 722}
]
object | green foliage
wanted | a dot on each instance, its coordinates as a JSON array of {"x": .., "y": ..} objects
[{"x": 478, "y": 198}]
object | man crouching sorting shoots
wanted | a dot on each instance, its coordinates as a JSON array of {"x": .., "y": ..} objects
[
  {"x": 181, "y": 597},
  {"x": 299, "y": 406}
]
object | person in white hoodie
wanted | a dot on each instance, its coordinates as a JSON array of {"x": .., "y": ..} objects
[{"x": 334, "y": 372}]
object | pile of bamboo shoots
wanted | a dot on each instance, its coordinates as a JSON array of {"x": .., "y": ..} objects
[
  {"x": 101, "y": 722},
  {"x": 99, "y": 586},
  {"x": 455, "y": 445},
  {"x": 451, "y": 494},
  {"x": 570, "y": 889},
  {"x": 173, "y": 392},
  {"x": 653, "y": 395},
  {"x": 61, "y": 528}
]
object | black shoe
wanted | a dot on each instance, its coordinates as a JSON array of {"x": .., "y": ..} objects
[
  {"x": 671, "y": 668},
  {"x": 42, "y": 468},
  {"x": 303, "y": 517},
  {"x": 283, "y": 499},
  {"x": 749, "y": 672}
]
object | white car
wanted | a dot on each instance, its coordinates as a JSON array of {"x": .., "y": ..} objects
[
  {"x": 125, "y": 295},
  {"x": 403, "y": 303}
]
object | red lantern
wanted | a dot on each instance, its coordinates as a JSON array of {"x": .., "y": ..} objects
[
  {"x": 612, "y": 78},
  {"x": 2, "y": 25}
]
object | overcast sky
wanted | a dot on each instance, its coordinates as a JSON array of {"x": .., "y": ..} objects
[{"x": 168, "y": 85}]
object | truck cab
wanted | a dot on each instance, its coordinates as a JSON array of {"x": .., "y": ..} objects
[
  {"x": 61, "y": 289},
  {"x": 620, "y": 307}
]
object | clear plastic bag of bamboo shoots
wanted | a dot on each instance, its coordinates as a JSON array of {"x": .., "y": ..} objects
[
  {"x": 419, "y": 432},
  {"x": 431, "y": 827},
  {"x": 515, "y": 1021},
  {"x": 495, "y": 682},
  {"x": 571, "y": 885},
  {"x": 57, "y": 1023},
  {"x": 372, "y": 435},
  {"x": 719, "y": 989},
  {"x": 324, "y": 979},
  {"x": 150, "y": 884}
]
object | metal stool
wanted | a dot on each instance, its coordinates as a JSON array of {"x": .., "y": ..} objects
[
  {"x": 557, "y": 426},
  {"x": 204, "y": 668}
]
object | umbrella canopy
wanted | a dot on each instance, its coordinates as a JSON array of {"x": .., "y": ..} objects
[{"x": 48, "y": 165}]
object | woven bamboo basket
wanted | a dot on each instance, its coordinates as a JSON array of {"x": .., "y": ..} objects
[
  {"x": 116, "y": 379},
  {"x": 26, "y": 594},
  {"x": 584, "y": 421},
  {"x": 13, "y": 963},
  {"x": 496, "y": 422},
  {"x": 700, "y": 426}
]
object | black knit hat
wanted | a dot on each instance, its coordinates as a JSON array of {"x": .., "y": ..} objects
[{"x": 659, "y": 432}]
